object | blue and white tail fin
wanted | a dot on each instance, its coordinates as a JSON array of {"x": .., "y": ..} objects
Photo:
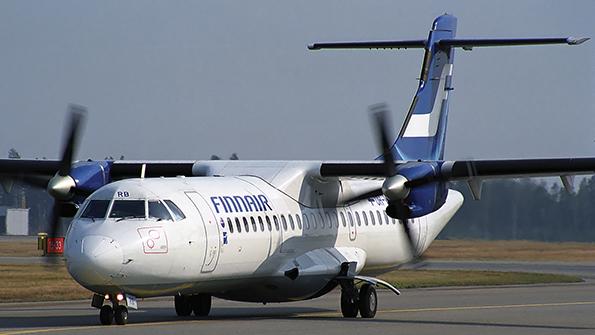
[{"x": 424, "y": 131}]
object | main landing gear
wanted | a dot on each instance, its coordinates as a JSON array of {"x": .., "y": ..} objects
[
  {"x": 200, "y": 304},
  {"x": 364, "y": 300},
  {"x": 352, "y": 300}
]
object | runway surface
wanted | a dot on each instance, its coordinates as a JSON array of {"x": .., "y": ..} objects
[{"x": 538, "y": 309}]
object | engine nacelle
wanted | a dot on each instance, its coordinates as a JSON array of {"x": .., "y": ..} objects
[
  {"x": 425, "y": 192},
  {"x": 91, "y": 175}
]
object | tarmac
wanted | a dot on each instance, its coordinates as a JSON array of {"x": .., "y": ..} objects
[{"x": 534, "y": 309}]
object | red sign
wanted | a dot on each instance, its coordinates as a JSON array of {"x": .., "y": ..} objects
[{"x": 55, "y": 245}]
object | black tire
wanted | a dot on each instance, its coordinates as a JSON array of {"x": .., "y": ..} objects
[
  {"x": 368, "y": 301},
  {"x": 201, "y": 304},
  {"x": 121, "y": 315},
  {"x": 348, "y": 306},
  {"x": 106, "y": 315},
  {"x": 182, "y": 305}
]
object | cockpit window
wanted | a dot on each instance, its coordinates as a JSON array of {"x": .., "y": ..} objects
[
  {"x": 96, "y": 209},
  {"x": 157, "y": 210},
  {"x": 178, "y": 214},
  {"x": 128, "y": 209}
]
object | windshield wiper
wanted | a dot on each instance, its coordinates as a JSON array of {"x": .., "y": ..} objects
[{"x": 130, "y": 217}]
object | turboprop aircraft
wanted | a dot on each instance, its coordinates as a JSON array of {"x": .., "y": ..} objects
[{"x": 273, "y": 231}]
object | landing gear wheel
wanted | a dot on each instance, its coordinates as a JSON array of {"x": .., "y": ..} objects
[
  {"x": 368, "y": 301},
  {"x": 121, "y": 315},
  {"x": 182, "y": 305},
  {"x": 106, "y": 315},
  {"x": 201, "y": 304},
  {"x": 348, "y": 305}
]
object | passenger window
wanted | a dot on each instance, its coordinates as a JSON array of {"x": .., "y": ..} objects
[
  {"x": 253, "y": 224},
  {"x": 178, "y": 214},
  {"x": 306, "y": 222},
  {"x": 394, "y": 221},
  {"x": 330, "y": 222},
  {"x": 299, "y": 221},
  {"x": 230, "y": 225},
  {"x": 276, "y": 221},
  {"x": 238, "y": 225},
  {"x": 321, "y": 220},
  {"x": 359, "y": 222},
  {"x": 385, "y": 218},
  {"x": 350, "y": 218},
  {"x": 157, "y": 210},
  {"x": 124, "y": 209},
  {"x": 343, "y": 219},
  {"x": 313, "y": 221},
  {"x": 246, "y": 227},
  {"x": 260, "y": 223},
  {"x": 365, "y": 218},
  {"x": 379, "y": 217},
  {"x": 96, "y": 209},
  {"x": 291, "y": 224},
  {"x": 284, "y": 222},
  {"x": 372, "y": 217},
  {"x": 269, "y": 223}
]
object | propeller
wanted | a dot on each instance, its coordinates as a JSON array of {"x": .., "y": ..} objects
[
  {"x": 62, "y": 186},
  {"x": 395, "y": 186}
]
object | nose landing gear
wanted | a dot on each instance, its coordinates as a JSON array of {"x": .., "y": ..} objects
[{"x": 109, "y": 314}]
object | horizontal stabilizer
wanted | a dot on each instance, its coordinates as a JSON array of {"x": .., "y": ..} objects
[
  {"x": 369, "y": 45},
  {"x": 469, "y": 43}
]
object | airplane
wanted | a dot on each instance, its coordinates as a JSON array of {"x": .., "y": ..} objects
[{"x": 274, "y": 231}]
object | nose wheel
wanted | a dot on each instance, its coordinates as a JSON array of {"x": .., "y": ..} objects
[
  {"x": 119, "y": 314},
  {"x": 106, "y": 315}
]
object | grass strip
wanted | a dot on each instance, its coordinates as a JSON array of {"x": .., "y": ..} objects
[
  {"x": 438, "y": 278},
  {"x": 35, "y": 282}
]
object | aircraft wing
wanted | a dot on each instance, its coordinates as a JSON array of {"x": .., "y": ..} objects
[
  {"x": 465, "y": 169},
  {"x": 39, "y": 172},
  {"x": 471, "y": 171},
  {"x": 118, "y": 169}
]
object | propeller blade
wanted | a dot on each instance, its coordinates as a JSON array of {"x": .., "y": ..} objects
[
  {"x": 54, "y": 229},
  {"x": 381, "y": 120},
  {"x": 34, "y": 181},
  {"x": 77, "y": 115},
  {"x": 55, "y": 220}
]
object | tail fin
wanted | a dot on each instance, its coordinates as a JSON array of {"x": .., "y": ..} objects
[{"x": 424, "y": 131}]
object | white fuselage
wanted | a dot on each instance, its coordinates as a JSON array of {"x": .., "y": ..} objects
[{"x": 240, "y": 237}]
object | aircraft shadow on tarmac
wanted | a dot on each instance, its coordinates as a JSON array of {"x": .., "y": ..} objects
[
  {"x": 147, "y": 315},
  {"x": 157, "y": 315}
]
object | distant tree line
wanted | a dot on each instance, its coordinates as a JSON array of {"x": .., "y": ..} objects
[{"x": 525, "y": 210}]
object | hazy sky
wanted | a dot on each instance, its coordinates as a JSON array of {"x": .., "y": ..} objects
[{"x": 187, "y": 79}]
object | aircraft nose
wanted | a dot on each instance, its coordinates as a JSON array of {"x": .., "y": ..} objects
[{"x": 98, "y": 260}]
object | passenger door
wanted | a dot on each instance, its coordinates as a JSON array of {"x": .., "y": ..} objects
[{"x": 211, "y": 231}]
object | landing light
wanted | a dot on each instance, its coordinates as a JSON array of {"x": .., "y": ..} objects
[
  {"x": 119, "y": 297},
  {"x": 106, "y": 297}
]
